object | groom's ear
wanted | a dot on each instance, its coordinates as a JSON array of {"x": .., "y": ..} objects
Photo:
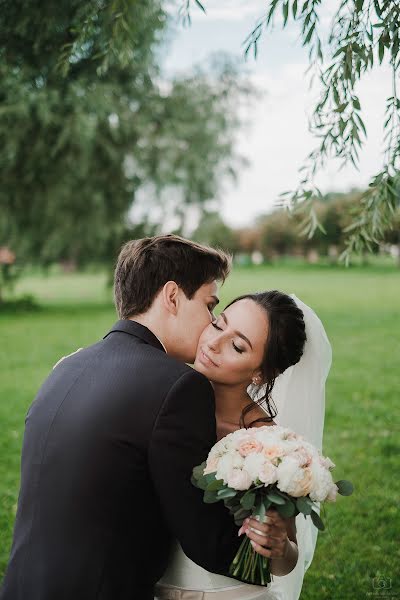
[{"x": 170, "y": 297}]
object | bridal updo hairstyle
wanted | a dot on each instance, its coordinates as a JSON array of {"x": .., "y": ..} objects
[{"x": 283, "y": 348}]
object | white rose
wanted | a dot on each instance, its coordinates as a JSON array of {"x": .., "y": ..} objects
[
  {"x": 225, "y": 466},
  {"x": 268, "y": 473},
  {"x": 293, "y": 479},
  {"x": 321, "y": 482},
  {"x": 333, "y": 491},
  {"x": 266, "y": 435},
  {"x": 253, "y": 464},
  {"x": 327, "y": 463},
  {"x": 239, "y": 479}
]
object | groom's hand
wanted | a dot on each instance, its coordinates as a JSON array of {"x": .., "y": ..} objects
[{"x": 270, "y": 539}]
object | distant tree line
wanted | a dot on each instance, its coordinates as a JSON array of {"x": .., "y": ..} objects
[{"x": 283, "y": 233}]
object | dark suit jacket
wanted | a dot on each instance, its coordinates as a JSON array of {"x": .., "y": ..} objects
[{"x": 109, "y": 446}]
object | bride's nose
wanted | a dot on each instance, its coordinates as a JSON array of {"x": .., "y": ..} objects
[{"x": 213, "y": 344}]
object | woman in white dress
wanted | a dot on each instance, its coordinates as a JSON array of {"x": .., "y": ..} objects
[{"x": 256, "y": 356}]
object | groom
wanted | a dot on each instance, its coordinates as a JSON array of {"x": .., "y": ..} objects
[{"x": 112, "y": 437}]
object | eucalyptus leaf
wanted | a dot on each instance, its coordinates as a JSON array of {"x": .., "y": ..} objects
[
  {"x": 199, "y": 470},
  {"x": 248, "y": 500},
  {"x": 286, "y": 510},
  {"x": 260, "y": 511},
  {"x": 275, "y": 498},
  {"x": 227, "y": 493},
  {"x": 304, "y": 506},
  {"x": 210, "y": 497},
  {"x": 202, "y": 483},
  {"x": 215, "y": 485},
  {"x": 241, "y": 514},
  {"x": 316, "y": 519},
  {"x": 346, "y": 488}
]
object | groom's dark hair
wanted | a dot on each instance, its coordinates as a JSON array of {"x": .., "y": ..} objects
[{"x": 145, "y": 265}]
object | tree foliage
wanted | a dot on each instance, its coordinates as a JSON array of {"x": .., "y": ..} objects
[
  {"x": 87, "y": 121},
  {"x": 364, "y": 34}
]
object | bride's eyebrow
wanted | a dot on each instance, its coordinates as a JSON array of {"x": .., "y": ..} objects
[{"x": 241, "y": 335}]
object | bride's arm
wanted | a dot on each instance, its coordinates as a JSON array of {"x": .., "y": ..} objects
[{"x": 277, "y": 541}]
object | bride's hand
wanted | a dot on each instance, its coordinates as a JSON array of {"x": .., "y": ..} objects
[{"x": 270, "y": 539}]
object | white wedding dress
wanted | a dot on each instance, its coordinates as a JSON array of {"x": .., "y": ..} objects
[{"x": 299, "y": 395}]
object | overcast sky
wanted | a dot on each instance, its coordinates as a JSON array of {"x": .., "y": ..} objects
[{"x": 278, "y": 139}]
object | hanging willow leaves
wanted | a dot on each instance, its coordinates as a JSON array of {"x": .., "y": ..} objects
[{"x": 363, "y": 35}]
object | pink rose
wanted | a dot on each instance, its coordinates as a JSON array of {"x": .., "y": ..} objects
[{"x": 248, "y": 447}]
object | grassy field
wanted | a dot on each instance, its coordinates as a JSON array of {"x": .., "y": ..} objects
[{"x": 360, "y": 308}]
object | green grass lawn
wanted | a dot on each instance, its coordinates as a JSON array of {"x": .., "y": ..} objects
[{"x": 360, "y": 309}]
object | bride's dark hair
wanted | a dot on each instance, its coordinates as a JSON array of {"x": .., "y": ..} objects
[{"x": 284, "y": 345}]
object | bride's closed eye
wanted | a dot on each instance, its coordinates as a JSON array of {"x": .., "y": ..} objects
[{"x": 236, "y": 348}]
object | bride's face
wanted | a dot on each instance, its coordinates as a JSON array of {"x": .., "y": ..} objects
[{"x": 231, "y": 349}]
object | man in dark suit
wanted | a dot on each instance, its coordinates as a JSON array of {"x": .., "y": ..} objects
[{"x": 112, "y": 437}]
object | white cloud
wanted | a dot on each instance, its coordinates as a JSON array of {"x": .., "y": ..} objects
[{"x": 279, "y": 141}]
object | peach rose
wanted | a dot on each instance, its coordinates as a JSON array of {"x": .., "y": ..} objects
[
  {"x": 248, "y": 447},
  {"x": 303, "y": 486},
  {"x": 274, "y": 452}
]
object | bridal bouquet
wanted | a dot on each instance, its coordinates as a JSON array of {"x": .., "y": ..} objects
[{"x": 252, "y": 470}]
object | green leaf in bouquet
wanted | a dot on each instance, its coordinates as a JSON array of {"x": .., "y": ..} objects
[
  {"x": 226, "y": 492},
  {"x": 204, "y": 481},
  {"x": 231, "y": 504},
  {"x": 286, "y": 510},
  {"x": 210, "y": 497},
  {"x": 215, "y": 485},
  {"x": 267, "y": 504},
  {"x": 241, "y": 514},
  {"x": 276, "y": 498},
  {"x": 248, "y": 500},
  {"x": 316, "y": 519},
  {"x": 260, "y": 511},
  {"x": 199, "y": 470},
  {"x": 304, "y": 505},
  {"x": 346, "y": 488},
  {"x": 283, "y": 495}
]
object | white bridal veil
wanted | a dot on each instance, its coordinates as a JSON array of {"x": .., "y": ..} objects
[{"x": 299, "y": 396}]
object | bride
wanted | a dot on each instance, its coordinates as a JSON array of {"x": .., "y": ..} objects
[{"x": 256, "y": 356}]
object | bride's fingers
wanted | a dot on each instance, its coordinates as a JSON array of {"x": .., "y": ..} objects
[
  {"x": 264, "y": 540},
  {"x": 263, "y": 528},
  {"x": 272, "y": 530},
  {"x": 277, "y": 552}
]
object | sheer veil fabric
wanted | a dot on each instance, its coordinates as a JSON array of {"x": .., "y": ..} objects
[{"x": 299, "y": 395}]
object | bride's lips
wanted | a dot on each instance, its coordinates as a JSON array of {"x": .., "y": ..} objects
[{"x": 205, "y": 359}]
